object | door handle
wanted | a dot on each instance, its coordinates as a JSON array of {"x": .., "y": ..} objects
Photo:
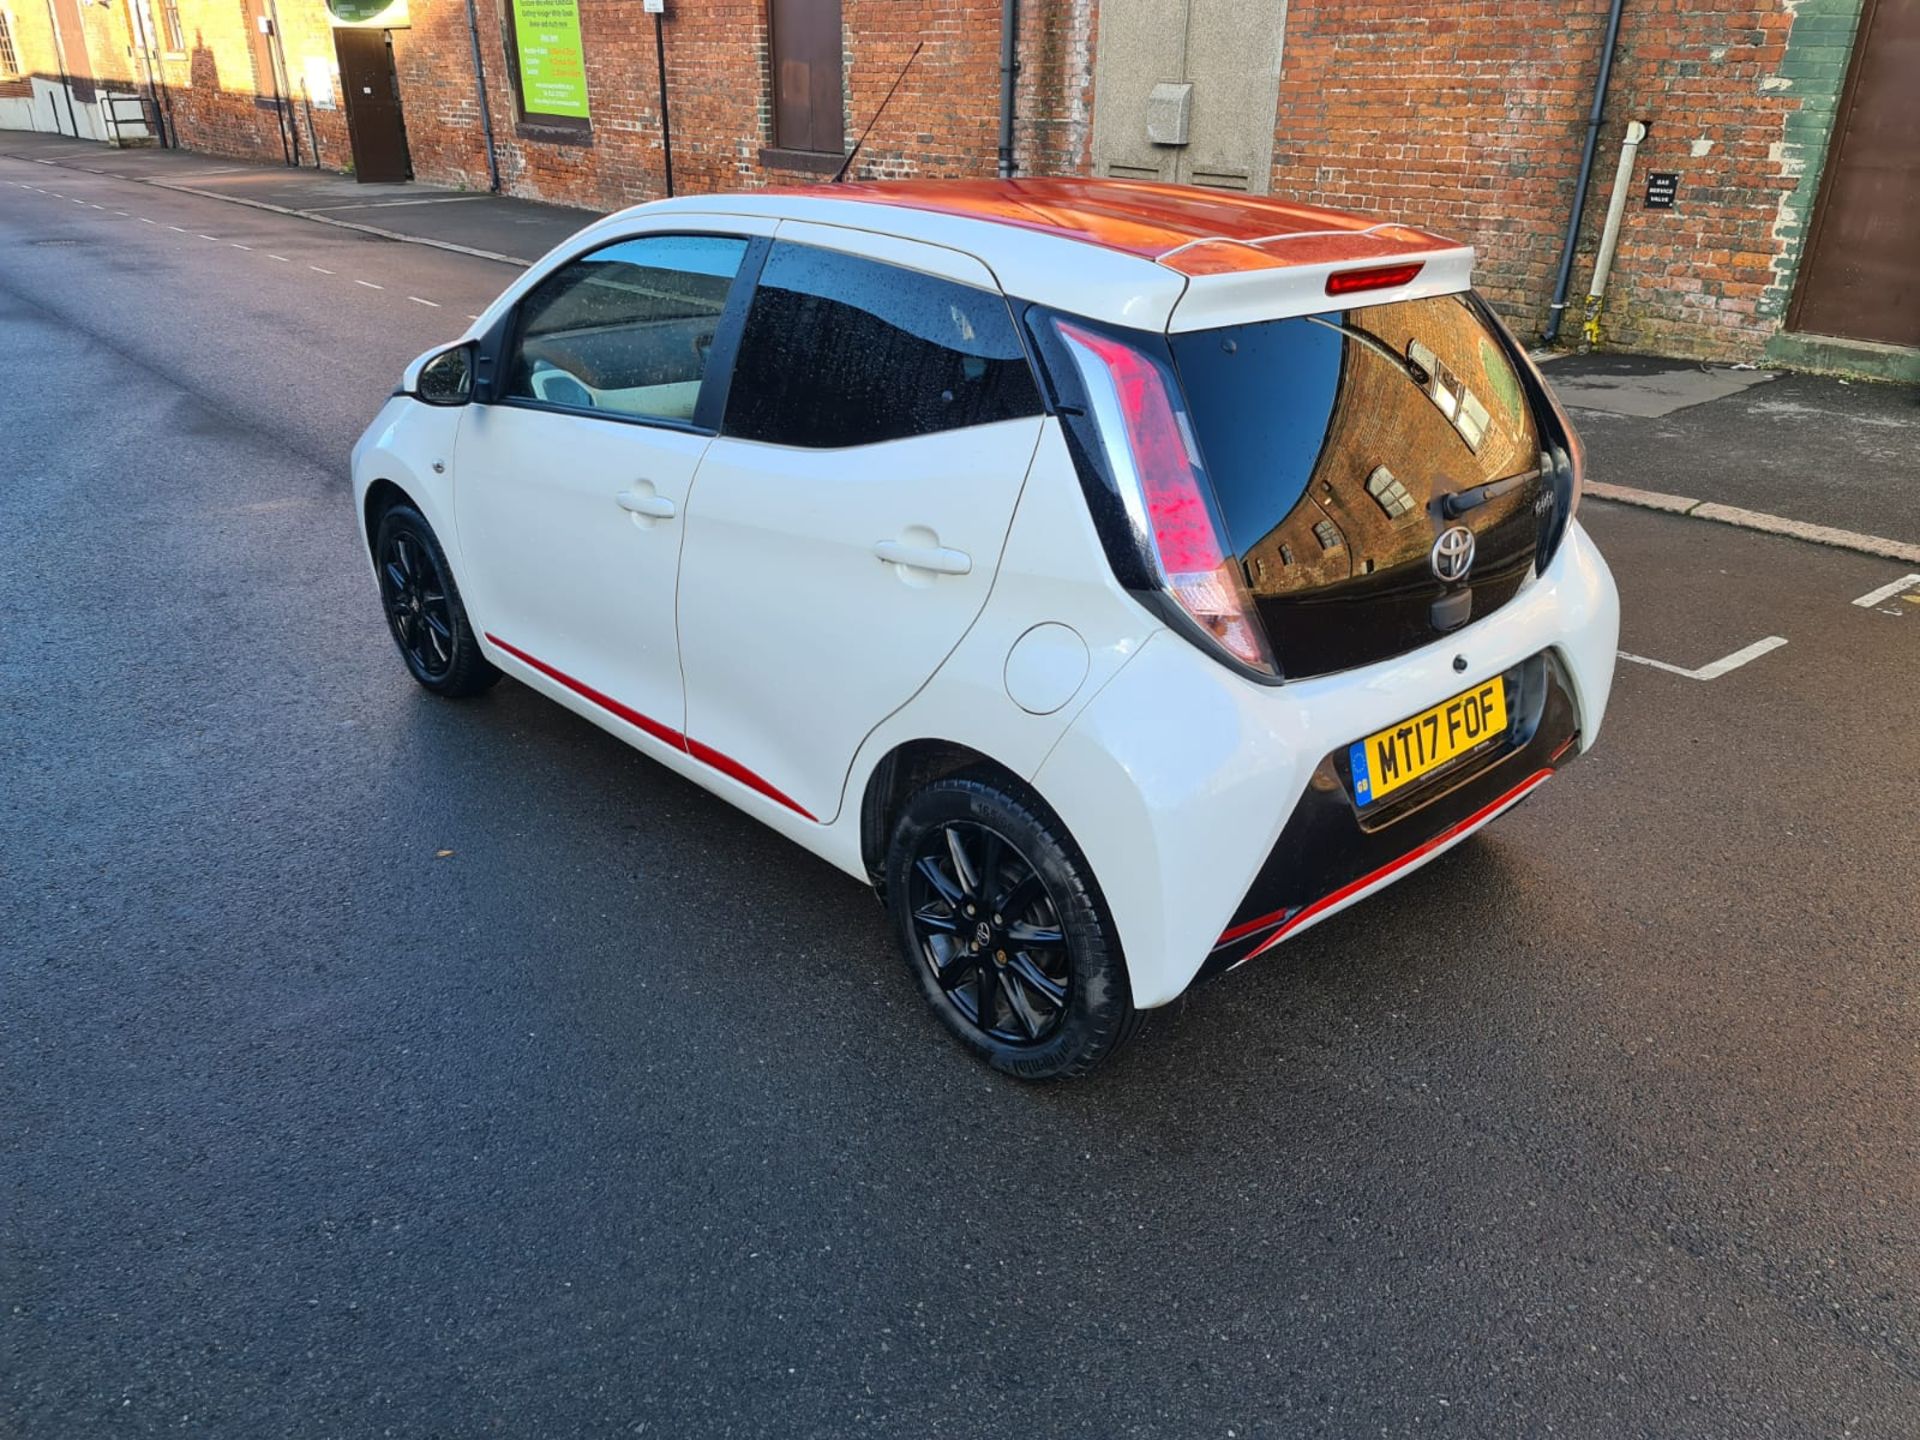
[
  {"x": 654, "y": 507},
  {"x": 937, "y": 558}
]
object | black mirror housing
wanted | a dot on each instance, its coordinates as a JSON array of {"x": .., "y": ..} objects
[{"x": 447, "y": 379}]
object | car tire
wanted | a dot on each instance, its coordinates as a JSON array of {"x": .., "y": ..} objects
[
  {"x": 424, "y": 612},
  {"x": 993, "y": 902}
]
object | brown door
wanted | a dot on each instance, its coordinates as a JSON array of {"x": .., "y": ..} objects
[
  {"x": 372, "y": 91},
  {"x": 1861, "y": 275},
  {"x": 73, "y": 50},
  {"x": 808, "y": 98}
]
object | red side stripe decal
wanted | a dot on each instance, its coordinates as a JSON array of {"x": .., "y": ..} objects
[
  {"x": 727, "y": 765},
  {"x": 705, "y": 754},
  {"x": 1289, "y": 923}
]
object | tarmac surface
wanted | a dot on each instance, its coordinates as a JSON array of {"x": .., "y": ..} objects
[{"x": 372, "y": 1065}]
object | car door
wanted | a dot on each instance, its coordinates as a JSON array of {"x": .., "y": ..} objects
[
  {"x": 846, "y": 524},
  {"x": 570, "y": 483}
]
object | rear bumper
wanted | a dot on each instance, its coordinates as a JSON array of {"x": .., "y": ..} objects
[
  {"x": 1205, "y": 802},
  {"x": 1333, "y": 853}
]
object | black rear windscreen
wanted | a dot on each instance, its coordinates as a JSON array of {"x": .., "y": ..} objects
[
  {"x": 1279, "y": 405},
  {"x": 1340, "y": 446}
]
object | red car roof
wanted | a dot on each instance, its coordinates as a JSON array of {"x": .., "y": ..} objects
[{"x": 1153, "y": 221}]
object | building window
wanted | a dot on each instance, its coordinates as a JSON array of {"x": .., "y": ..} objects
[
  {"x": 808, "y": 100},
  {"x": 170, "y": 31},
  {"x": 9, "y": 57}
]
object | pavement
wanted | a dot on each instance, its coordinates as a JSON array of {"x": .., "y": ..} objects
[
  {"x": 377, "y": 1066},
  {"x": 465, "y": 220},
  {"x": 1810, "y": 448}
]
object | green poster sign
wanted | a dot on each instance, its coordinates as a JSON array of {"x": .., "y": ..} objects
[{"x": 553, "y": 70}]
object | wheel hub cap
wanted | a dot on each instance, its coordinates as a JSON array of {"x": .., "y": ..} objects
[{"x": 1009, "y": 975}]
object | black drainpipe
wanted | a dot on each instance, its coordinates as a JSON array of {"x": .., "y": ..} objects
[
  {"x": 1559, "y": 306},
  {"x": 1009, "y": 70},
  {"x": 480, "y": 90}
]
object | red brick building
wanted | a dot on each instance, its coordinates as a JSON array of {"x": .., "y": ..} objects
[{"x": 1468, "y": 118}]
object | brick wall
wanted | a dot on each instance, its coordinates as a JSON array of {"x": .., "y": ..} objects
[
  {"x": 944, "y": 121},
  {"x": 218, "y": 101},
  {"x": 1470, "y": 119}
]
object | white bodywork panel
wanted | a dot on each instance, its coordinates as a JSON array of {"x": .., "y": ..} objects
[
  {"x": 555, "y": 566},
  {"x": 796, "y": 637},
  {"x": 1178, "y": 779}
]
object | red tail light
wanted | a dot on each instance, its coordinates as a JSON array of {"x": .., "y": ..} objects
[
  {"x": 1151, "y": 450},
  {"x": 1377, "y": 277}
]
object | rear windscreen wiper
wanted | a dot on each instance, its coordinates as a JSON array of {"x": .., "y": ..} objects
[
  {"x": 1473, "y": 499},
  {"x": 1413, "y": 371}
]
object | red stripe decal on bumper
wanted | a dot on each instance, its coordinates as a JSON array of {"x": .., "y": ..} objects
[
  {"x": 705, "y": 754},
  {"x": 1289, "y": 923}
]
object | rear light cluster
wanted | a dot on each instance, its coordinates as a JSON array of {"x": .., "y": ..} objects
[{"x": 1148, "y": 445}]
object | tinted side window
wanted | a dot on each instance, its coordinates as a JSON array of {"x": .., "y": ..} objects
[
  {"x": 626, "y": 329},
  {"x": 840, "y": 350}
]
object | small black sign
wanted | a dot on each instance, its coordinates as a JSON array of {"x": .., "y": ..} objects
[{"x": 1662, "y": 186}]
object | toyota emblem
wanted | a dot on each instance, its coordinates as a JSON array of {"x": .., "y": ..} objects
[{"x": 1452, "y": 554}]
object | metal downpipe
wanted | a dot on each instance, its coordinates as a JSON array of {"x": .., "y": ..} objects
[
  {"x": 480, "y": 90},
  {"x": 1558, "y": 308},
  {"x": 1009, "y": 73}
]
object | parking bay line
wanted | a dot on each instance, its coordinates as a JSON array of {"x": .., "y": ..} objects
[
  {"x": 1887, "y": 592},
  {"x": 1718, "y": 667}
]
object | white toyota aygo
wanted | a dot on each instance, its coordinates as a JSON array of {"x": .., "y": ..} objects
[{"x": 1119, "y": 577}]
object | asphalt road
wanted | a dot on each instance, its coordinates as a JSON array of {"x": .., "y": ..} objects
[{"x": 623, "y": 1117}]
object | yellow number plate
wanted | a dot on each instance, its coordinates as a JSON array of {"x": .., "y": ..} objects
[{"x": 1421, "y": 744}]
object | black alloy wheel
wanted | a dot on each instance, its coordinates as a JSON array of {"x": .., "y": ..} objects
[
  {"x": 989, "y": 932},
  {"x": 1004, "y": 928},
  {"x": 422, "y": 604},
  {"x": 416, "y": 599}
]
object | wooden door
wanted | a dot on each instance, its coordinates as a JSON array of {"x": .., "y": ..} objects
[
  {"x": 1860, "y": 278},
  {"x": 372, "y": 91}
]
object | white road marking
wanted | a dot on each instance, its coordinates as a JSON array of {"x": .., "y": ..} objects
[
  {"x": 120, "y": 212},
  {"x": 370, "y": 285},
  {"x": 145, "y": 221},
  {"x": 473, "y": 317},
  {"x": 1887, "y": 592},
  {"x": 418, "y": 301},
  {"x": 1718, "y": 667},
  {"x": 238, "y": 246},
  {"x": 281, "y": 258},
  {"x": 214, "y": 238},
  {"x": 321, "y": 268}
]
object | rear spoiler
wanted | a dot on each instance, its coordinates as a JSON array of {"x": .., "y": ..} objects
[{"x": 1231, "y": 282}]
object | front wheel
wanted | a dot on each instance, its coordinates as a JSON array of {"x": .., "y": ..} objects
[
  {"x": 424, "y": 614},
  {"x": 1003, "y": 927}
]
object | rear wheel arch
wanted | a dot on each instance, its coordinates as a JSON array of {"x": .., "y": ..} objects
[
  {"x": 913, "y": 765},
  {"x": 903, "y": 770}
]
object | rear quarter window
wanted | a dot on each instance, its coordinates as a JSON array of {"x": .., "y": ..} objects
[{"x": 839, "y": 350}]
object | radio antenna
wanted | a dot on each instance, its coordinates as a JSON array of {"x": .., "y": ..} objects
[{"x": 847, "y": 164}]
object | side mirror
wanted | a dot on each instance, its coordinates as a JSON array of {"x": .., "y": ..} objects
[{"x": 446, "y": 378}]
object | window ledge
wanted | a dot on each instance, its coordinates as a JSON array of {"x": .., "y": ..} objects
[{"x": 812, "y": 162}]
